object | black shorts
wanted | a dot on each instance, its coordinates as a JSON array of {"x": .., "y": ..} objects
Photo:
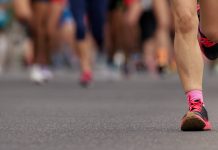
[
  {"x": 148, "y": 25},
  {"x": 114, "y": 4}
]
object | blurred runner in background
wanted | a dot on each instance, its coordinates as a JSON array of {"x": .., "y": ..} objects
[
  {"x": 154, "y": 20},
  {"x": 5, "y": 19},
  {"x": 95, "y": 10},
  {"x": 46, "y": 15},
  {"x": 65, "y": 44},
  {"x": 40, "y": 72},
  {"x": 163, "y": 41},
  {"x": 24, "y": 14}
]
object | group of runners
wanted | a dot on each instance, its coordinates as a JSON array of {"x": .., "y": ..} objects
[
  {"x": 112, "y": 24},
  {"x": 41, "y": 18}
]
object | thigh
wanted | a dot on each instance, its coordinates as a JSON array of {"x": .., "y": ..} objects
[
  {"x": 162, "y": 13},
  {"x": 40, "y": 10},
  {"x": 209, "y": 10},
  {"x": 54, "y": 15},
  {"x": 22, "y": 9}
]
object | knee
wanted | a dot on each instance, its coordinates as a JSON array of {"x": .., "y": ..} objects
[
  {"x": 211, "y": 33},
  {"x": 185, "y": 21}
]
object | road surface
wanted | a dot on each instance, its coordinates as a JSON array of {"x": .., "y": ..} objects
[{"x": 139, "y": 114}]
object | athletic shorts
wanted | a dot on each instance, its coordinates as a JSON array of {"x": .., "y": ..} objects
[
  {"x": 53, "y": 1},
  {"x": 148, "y": 25},
  {"x": 114, "y": 4},
  {"x": 66, "y": 16}
]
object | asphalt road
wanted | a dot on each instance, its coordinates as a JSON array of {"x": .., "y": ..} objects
[{"x": 139, "y": 114}]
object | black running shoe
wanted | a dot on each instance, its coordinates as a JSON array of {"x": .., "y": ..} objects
[{"x": 196, "y": 119}]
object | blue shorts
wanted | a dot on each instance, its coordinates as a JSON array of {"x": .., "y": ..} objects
[{"x": 66, "y": 16}]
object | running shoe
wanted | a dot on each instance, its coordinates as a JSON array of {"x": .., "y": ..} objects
[
  {"x": 208, "y": 48},
  {"x": 47, "y": 74},
  {"x": 86, "y": 79},
  {"x": 196, "y": 119},
  {"x": 36, "y": 75}
]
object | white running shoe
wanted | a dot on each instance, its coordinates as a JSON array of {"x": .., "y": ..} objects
[
  {"x": 47, "y": 74},
  {"x": 36, "y": 75}
]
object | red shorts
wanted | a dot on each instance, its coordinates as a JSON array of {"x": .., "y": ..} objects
[
  {"x": 129, "y": 2},
  {"x": 52, "y": 1},
  {"x": 58, "y": 1}
]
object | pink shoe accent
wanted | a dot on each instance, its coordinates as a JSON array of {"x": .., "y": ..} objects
[
  {"x": 86, "y": 77},
  {"x": 208, "y": 126},
  {"x": 194, "y": 98}
]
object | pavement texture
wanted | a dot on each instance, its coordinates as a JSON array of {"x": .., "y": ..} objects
[{"x": 136, "y": 114}]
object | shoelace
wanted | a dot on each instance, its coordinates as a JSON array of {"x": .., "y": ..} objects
[{"x": 195, "y": 105}]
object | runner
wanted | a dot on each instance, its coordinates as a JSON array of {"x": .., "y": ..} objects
[
  {"x": 65, "y": 43},
  {"x": 46, "y": 20},
  {"x": 5, "y": 21},
  {"x": 154, "y": 21},
  {"x": 23, "y": 13},
  {"x": 189, "y": 58},
  {"x": 95, "y": 10},
  {"x": 56, "y": 9},
  {"x": 162, "y": 35},
  {"x": 40, "y": 72},
  {"x": 122, "y": 34}
]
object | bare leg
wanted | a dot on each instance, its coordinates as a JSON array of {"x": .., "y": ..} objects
[
  {"x": 162, "y": 13},
  {"x": 22, "y": 9},
  {"x": 190, "y": 64},
  {"x": 40, "y": 11},
  {"x": 67, "y": 30},
  {"x": 187, "y": 50},
  {"x": 148, "y": 55},
  {"x": 209, "y": 23},
  {"x": 84, "y": 55},
  {"x": 55, "y": 11}
]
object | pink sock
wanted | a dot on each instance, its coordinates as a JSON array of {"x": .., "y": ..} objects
[{"x": 193, "y": 95}]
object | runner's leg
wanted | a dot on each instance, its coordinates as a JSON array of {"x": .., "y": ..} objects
[
  {"x": 40, "y": 9},
  {"x": 187, "y": 50},
  {"x": 190, "y": 64},
  {"x": 55, "y": 12},
  {"x": 209, "y": 23}
]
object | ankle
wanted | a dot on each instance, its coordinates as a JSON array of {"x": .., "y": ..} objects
[{"x": 194, "y": 95}]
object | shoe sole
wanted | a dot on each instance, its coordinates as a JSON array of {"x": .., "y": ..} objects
[{"x": 193, "y": 122}]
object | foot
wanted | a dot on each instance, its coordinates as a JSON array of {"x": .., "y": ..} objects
[
  {"x": 36, "y": 75},
  {"x": 86, "y": 79},
  {"x": 47, "y": 73},
  {"x": 196, "y": 119}
]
